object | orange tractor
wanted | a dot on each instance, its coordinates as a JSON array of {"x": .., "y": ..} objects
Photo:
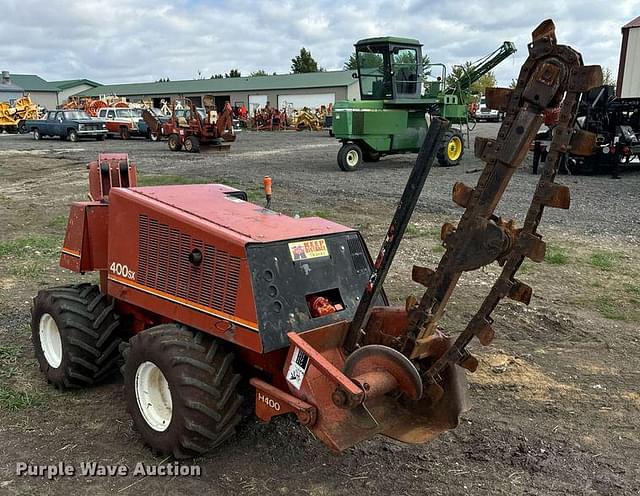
[{"x": 201, "y": 290}]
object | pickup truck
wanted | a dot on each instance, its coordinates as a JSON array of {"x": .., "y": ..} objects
[
  {"x": 121, "y": 122},
  {"x": 67, "y": 124}
]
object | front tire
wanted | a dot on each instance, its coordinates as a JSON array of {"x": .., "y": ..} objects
[
  {"x": 349, "y": 157},
  {"x": 174, "y": 143},
  {"x": 36, "y": 134},
  {"x": 124, "y": 133},
  {"x": 100, "y": 137},
  {"x": 72, "y": 135},
  {"x": 74, "y": 334},
  {"x": 451, "y": 148},
  {"x": 180, "y": 390}
]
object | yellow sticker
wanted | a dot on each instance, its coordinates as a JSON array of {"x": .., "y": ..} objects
[{"x": 312, "y": 248}]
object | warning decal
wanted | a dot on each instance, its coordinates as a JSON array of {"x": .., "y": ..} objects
[
  {"x": 312, "y": 248},
  {"x": 297, "y": 368}
]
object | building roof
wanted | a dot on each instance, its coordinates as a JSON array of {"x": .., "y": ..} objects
[
  {"x": 31, "y": 82},
  {"x": 255, "y": 83},
  {"x": 70, "y": 83},
  {"x": 633, "y": 24}
]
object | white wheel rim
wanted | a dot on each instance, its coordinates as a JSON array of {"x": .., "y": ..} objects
[
  {"x": 50, "y": 340},
  {"x": 352, "y": 158},
  {"x": 153, "y": 396}
]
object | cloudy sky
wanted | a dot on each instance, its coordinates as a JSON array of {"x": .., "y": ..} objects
[{"x": 114, "y": 41}]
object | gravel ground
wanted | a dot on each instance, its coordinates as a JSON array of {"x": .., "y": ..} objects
[{"x": 306, "y": 165}]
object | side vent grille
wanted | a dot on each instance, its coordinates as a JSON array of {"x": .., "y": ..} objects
[
  {"x": 357, "y": 254},
  {"x": 163, "y": 264}
]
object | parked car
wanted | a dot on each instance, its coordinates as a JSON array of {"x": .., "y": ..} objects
[
  {"x": 66, "y": 124},
  {"x": 483, "y": 113},
  {"x": 121, "y": 122}
]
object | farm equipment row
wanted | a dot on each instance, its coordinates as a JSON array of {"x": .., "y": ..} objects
[
  {"x": 193, "y": 278},
  {"x": 12, "y": 116}
]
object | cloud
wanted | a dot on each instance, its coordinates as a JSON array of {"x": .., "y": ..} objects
[{"x": 144, "y": 40}]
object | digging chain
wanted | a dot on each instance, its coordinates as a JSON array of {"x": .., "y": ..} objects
[{"x": 552, "y": 75}]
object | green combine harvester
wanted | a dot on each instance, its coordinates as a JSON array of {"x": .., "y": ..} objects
[{"x": 393, "y": 113}]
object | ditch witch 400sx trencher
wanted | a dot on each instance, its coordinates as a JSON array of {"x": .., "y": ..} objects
[{"x": 194, "y": 278}]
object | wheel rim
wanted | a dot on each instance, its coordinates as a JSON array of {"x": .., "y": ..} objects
[
  {"x": 50, "y": 340},
  {"x": 153, "y": 396},
  {"x": 188, "y": 145},
  {"x": 352, "y": 158},
  {"x": 454, "y": 148}
]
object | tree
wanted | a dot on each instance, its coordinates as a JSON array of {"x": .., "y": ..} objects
[
  {"x": 233, "y": 73},
  {"x": 351, "y": 64},
  {"x": 163, "y": 80},
  {"x": 607, "y": 77},
  {"x": 304, "y": 62},
  {"x": 513, "y": 84},
  {"x": 216, "y": 76},
  {"x": 259, "y": 72},
  {"x": 488, "y": 80}
]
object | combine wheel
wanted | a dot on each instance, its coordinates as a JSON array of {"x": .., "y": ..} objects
[
  {"x": 370, "y": 156},
  {"x": 74, "y": 334},
  {"x": 192, "y": 144},
  {"x": 36, "y": 134},
  {"x": 72, "y": 135},
  {"x": 452, "y": 148},
  {"x": 180, "y": 389},
  {"x": 124, "y": 133},
  {"x": 349, "y": 157},
  {"x": 174, "y": 143}
]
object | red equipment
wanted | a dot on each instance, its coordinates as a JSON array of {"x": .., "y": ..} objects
[
  {"x": 194, "y": 275},
  {"x": 197, "y": 128}
]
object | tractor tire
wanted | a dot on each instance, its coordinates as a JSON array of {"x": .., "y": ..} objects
[
  {"x": 124, "y": 133},
  {"x": 349, "y": 157},
  {"x": 174, "y": 143},
  {"x": 72, "y": 135},
  {"x": 181, "y": 390},
  {"x": 192, "y": 144},
  {"x": 370, "y": 156},
  {"x": 36, "y": 134},
  {"x": 74, "y": 334},
  {"x": 451, "y": 148}
]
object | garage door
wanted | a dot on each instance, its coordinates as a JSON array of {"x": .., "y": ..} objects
[
  {"x": 312, "y": 101},
  {"x": 257, "y": 102}
]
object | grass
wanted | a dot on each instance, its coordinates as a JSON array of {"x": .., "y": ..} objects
[
  {"x": 8, "y": 353},
  {"x": 28, "y": 246},
  {"x": 438, "y": 249},
  {"x": 13, "y": 400},
  {"x": 31, "y": 269},
  {"x": 610, "y": 308},
  {"x": 325, "y": 214},
  {"x": 633, "y": 289},
  {"x": 556, "y": 255},
  {"x": 58, "y": 221},
  {"x": 604, "y": 260}
]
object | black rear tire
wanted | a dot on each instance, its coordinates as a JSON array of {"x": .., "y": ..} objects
[
  {"x": 100, "y": 137},
  {"x": 202, "y": 386},
  {"x": 349, "y": 157},
  {"x": 174, "y": 143},
  {"x": 446, "y": 156},
  {"x": 371, "y": 156},
  {"x": 88, "y": 330},
  {"x": 124, "y": 133},
  {"x": 192, "y": 144}
]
